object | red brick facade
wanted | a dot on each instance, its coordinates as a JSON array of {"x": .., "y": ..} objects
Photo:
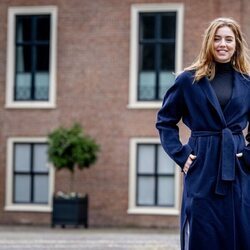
[{"x": 93, "y": 57}]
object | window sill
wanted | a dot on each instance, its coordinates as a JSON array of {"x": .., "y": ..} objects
[
  {"x": 28, "y": 208},
  {"x": 153, "y": 211},
  {"x": 144, "y": 105},
  {"x": 30, "y": 105}
]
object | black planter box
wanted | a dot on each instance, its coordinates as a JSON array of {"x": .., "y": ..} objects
[{"x": 73, "y": 211}]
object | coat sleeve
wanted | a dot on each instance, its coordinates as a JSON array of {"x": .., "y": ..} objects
[
  {"x": 167, "y": 118},
  {"x": 246, "y": 151}
]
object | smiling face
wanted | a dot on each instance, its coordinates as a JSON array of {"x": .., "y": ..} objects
[{"x": 224, "y": 44}]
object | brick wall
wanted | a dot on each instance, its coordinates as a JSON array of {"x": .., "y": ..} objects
[{"x": 92, "y": 88}]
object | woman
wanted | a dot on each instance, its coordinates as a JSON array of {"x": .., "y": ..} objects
[{"x": 212, "y": 97}]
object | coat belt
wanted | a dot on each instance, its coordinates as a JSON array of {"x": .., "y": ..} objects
[{"x": 226, "y": 172}]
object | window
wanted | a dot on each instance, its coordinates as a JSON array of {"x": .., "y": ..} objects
[
  {"x": 153, "y": 179},
  {"x": 155, "y": 52},
  {"x": 32, "y": 57},
  {"x": 31, "y": 61},
  {"x": 155, "y": 176},
  {"x": 29, "y": 175}
]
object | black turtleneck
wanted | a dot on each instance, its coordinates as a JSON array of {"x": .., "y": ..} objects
[{"x": 223, "y": 85}]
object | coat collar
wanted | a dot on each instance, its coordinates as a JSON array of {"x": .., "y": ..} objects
[{"x": 237, "y": 91}]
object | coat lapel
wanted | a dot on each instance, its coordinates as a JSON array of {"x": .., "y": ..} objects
[
  {"x": 238, "y": 91},
  {"x": 211, "y": 96}
]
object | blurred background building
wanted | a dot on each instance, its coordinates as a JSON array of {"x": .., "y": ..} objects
[{"x": 105, "y": 64}]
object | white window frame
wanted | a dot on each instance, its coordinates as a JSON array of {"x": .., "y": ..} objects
[
  {"x": 10, "y": 69},
  {"x": 153, "y": 210},
  {"x": 9, "y": 205},
  {"x": 136, "y": 9}
]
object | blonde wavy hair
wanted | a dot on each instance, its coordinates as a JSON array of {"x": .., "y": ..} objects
[{"x": 204, "y": 65}]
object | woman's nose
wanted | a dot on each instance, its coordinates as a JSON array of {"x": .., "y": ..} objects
[{"x": 222, "y": 42}]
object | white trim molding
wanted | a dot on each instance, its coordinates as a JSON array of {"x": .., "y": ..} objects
[
  {"x": 10, "y": 67},
  {"x": 133, "y": 208},
  {"x": 9, "y": 205},
  {"x": 136, "y": 9}
]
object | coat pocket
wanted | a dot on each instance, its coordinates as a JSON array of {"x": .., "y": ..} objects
[
  {"x": 244, "y": 180},
  {"x": 193, "y": 143},
  {"x": 246, "y": 156},
  {"x": 242, "y": 165},
  {"x": 192, "y": 166}
]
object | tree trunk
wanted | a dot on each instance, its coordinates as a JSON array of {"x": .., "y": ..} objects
[{"x": 72, "y": 179}]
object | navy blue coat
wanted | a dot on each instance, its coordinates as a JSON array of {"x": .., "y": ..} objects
[{"x": 216, "y": 194}]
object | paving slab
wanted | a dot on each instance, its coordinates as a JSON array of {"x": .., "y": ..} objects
[{"x": 30, "y": 237}]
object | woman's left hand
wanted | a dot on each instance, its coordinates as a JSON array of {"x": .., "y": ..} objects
[{"x": 239, "y": 155}]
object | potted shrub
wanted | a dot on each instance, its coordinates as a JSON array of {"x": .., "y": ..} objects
[{"x": 70, "y": 148}]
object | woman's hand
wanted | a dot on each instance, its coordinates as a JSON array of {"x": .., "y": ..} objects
[
  {"x": 239, "y": 154},
  {"x": 191, "y": 158},
  {"x": 189, "y": 161}
]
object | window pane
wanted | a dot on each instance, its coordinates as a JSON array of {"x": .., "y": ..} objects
[
  {"x": 22, "y": 188},
  {"x": 147, "y": 75},
  {"x": 147, "y": 57},
  {"x": 146, "y": 191},
  {"x": 23, "y": 86},
  {"x": 41, "y": 189},
  {"x": 41, "y": 86},
  {"x": 166, "y": 191},
  {"x": 166, "y": 80},
  {"x": 23, "y": 28},
  {"x": 147, "y": 85},
  {"x": 23, "y": 73},
  {"x": 23, "y": 59},
  {"x": 40, "y": 158},
  {"x": 42, "y": 62},
  {"x": 165, "y": 164},
  {"x": 22, "y": 157},
  {"x": 147, "y": 26},
  {"x": 146, "y": 159},
  {"x": 168, "y": 25},
  {"x": 168, "y": 57},
  {"x": 43, "y": 28}
]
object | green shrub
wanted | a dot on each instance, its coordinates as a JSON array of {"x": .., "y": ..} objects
[{"x": 69, "y": 148}]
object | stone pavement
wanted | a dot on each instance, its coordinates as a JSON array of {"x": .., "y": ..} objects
[{"x": 33, "y": 238}]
